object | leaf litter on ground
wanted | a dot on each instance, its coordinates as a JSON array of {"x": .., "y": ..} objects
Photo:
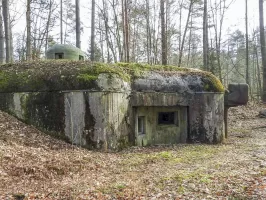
[{"x": 34, "y": 165}]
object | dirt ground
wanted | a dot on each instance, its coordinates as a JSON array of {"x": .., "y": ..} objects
[{"x": 36, "y": 166}]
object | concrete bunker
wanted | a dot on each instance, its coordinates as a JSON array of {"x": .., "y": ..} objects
[
  {"x": 178, "y": 107},
  {"x": 64, "y": 51},
  {"x": 111, "y": 106}
]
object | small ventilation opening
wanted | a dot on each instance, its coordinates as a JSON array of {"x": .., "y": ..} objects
[
  {"x": 141, "y": 125},
  {"x": 59, "y": 55},
  {"x": 81, "y": 57}
]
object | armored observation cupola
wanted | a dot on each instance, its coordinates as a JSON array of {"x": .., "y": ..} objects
[{"x": 64, "y": 51}]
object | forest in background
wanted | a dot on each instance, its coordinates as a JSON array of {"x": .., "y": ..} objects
[{"x": 186, "y": 33}]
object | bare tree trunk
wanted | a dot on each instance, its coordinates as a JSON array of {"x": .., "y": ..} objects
[
  {"x": 61, "y": 21},
  {"x": 46, "y": 33},
  {"x": 22, "y": 51},
  {"x": 11, "y": 45},
  {"x": 34, "y": 42},
  {"x": 263, "y": 50},
  {"x": 92, "y": 30},
  {"x": 205, "y": 38},
  {"x": 227, "y": 67},
  {"x": 108, "y": 39},
  {"x": 163, "y": 34},
  {"x": 247, "y": 50},
  {"x": 154, "y": 39},
  {"x": 218, "y": 31},
  {"x": 28, "y": 21},
  {"x": 66, "y": 26},
  {"x": 2, "y": 39},
  {"x": 218, "y": 42},
  {"x": 5, "y": 4},
  {"x": 254, "y": 80},
  {"x": 167, "y": 12},
  {"x": 189, "y": 40},
  {"x": 117, "y": 29},
  {"x": 134, "y": 34},
  {"x": 126, "y": 30},
  {"x": 148, "y": 29},
  {"x": 77, "y": 24},
  {"x": 184, "y": 34},
  {"x": 211, "y": 64},
  {"x": 180, "y": 24},
  {"x": 101, "y": 40},
  {"x": 106, "y": 30},
  {"x": 258, "y": 71}
]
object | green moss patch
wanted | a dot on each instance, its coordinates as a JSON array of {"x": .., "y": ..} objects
[
  {"x": 212, "y": 83},
  {"x": 53, "y": 75}
]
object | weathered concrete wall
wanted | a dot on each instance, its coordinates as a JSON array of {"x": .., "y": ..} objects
[
  {"x": 206, "y": 118},
  {"x": 44, "y": 110},
  {"x": 74, "y": 110},
  {"x": 160, "y": 99},
  {"x": 111, "y": 119},
  {"x": 19, "y": 103},
  {"x": 108, "y": 120},
  {"x": 7, "y": 102},
  {"x": 89, "y": 119}
]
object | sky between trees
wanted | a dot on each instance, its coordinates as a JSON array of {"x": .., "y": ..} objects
[{"x": 234, "y": 18}]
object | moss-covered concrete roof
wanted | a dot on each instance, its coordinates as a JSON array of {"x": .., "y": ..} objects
[{"x": 54, "y": 75}]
